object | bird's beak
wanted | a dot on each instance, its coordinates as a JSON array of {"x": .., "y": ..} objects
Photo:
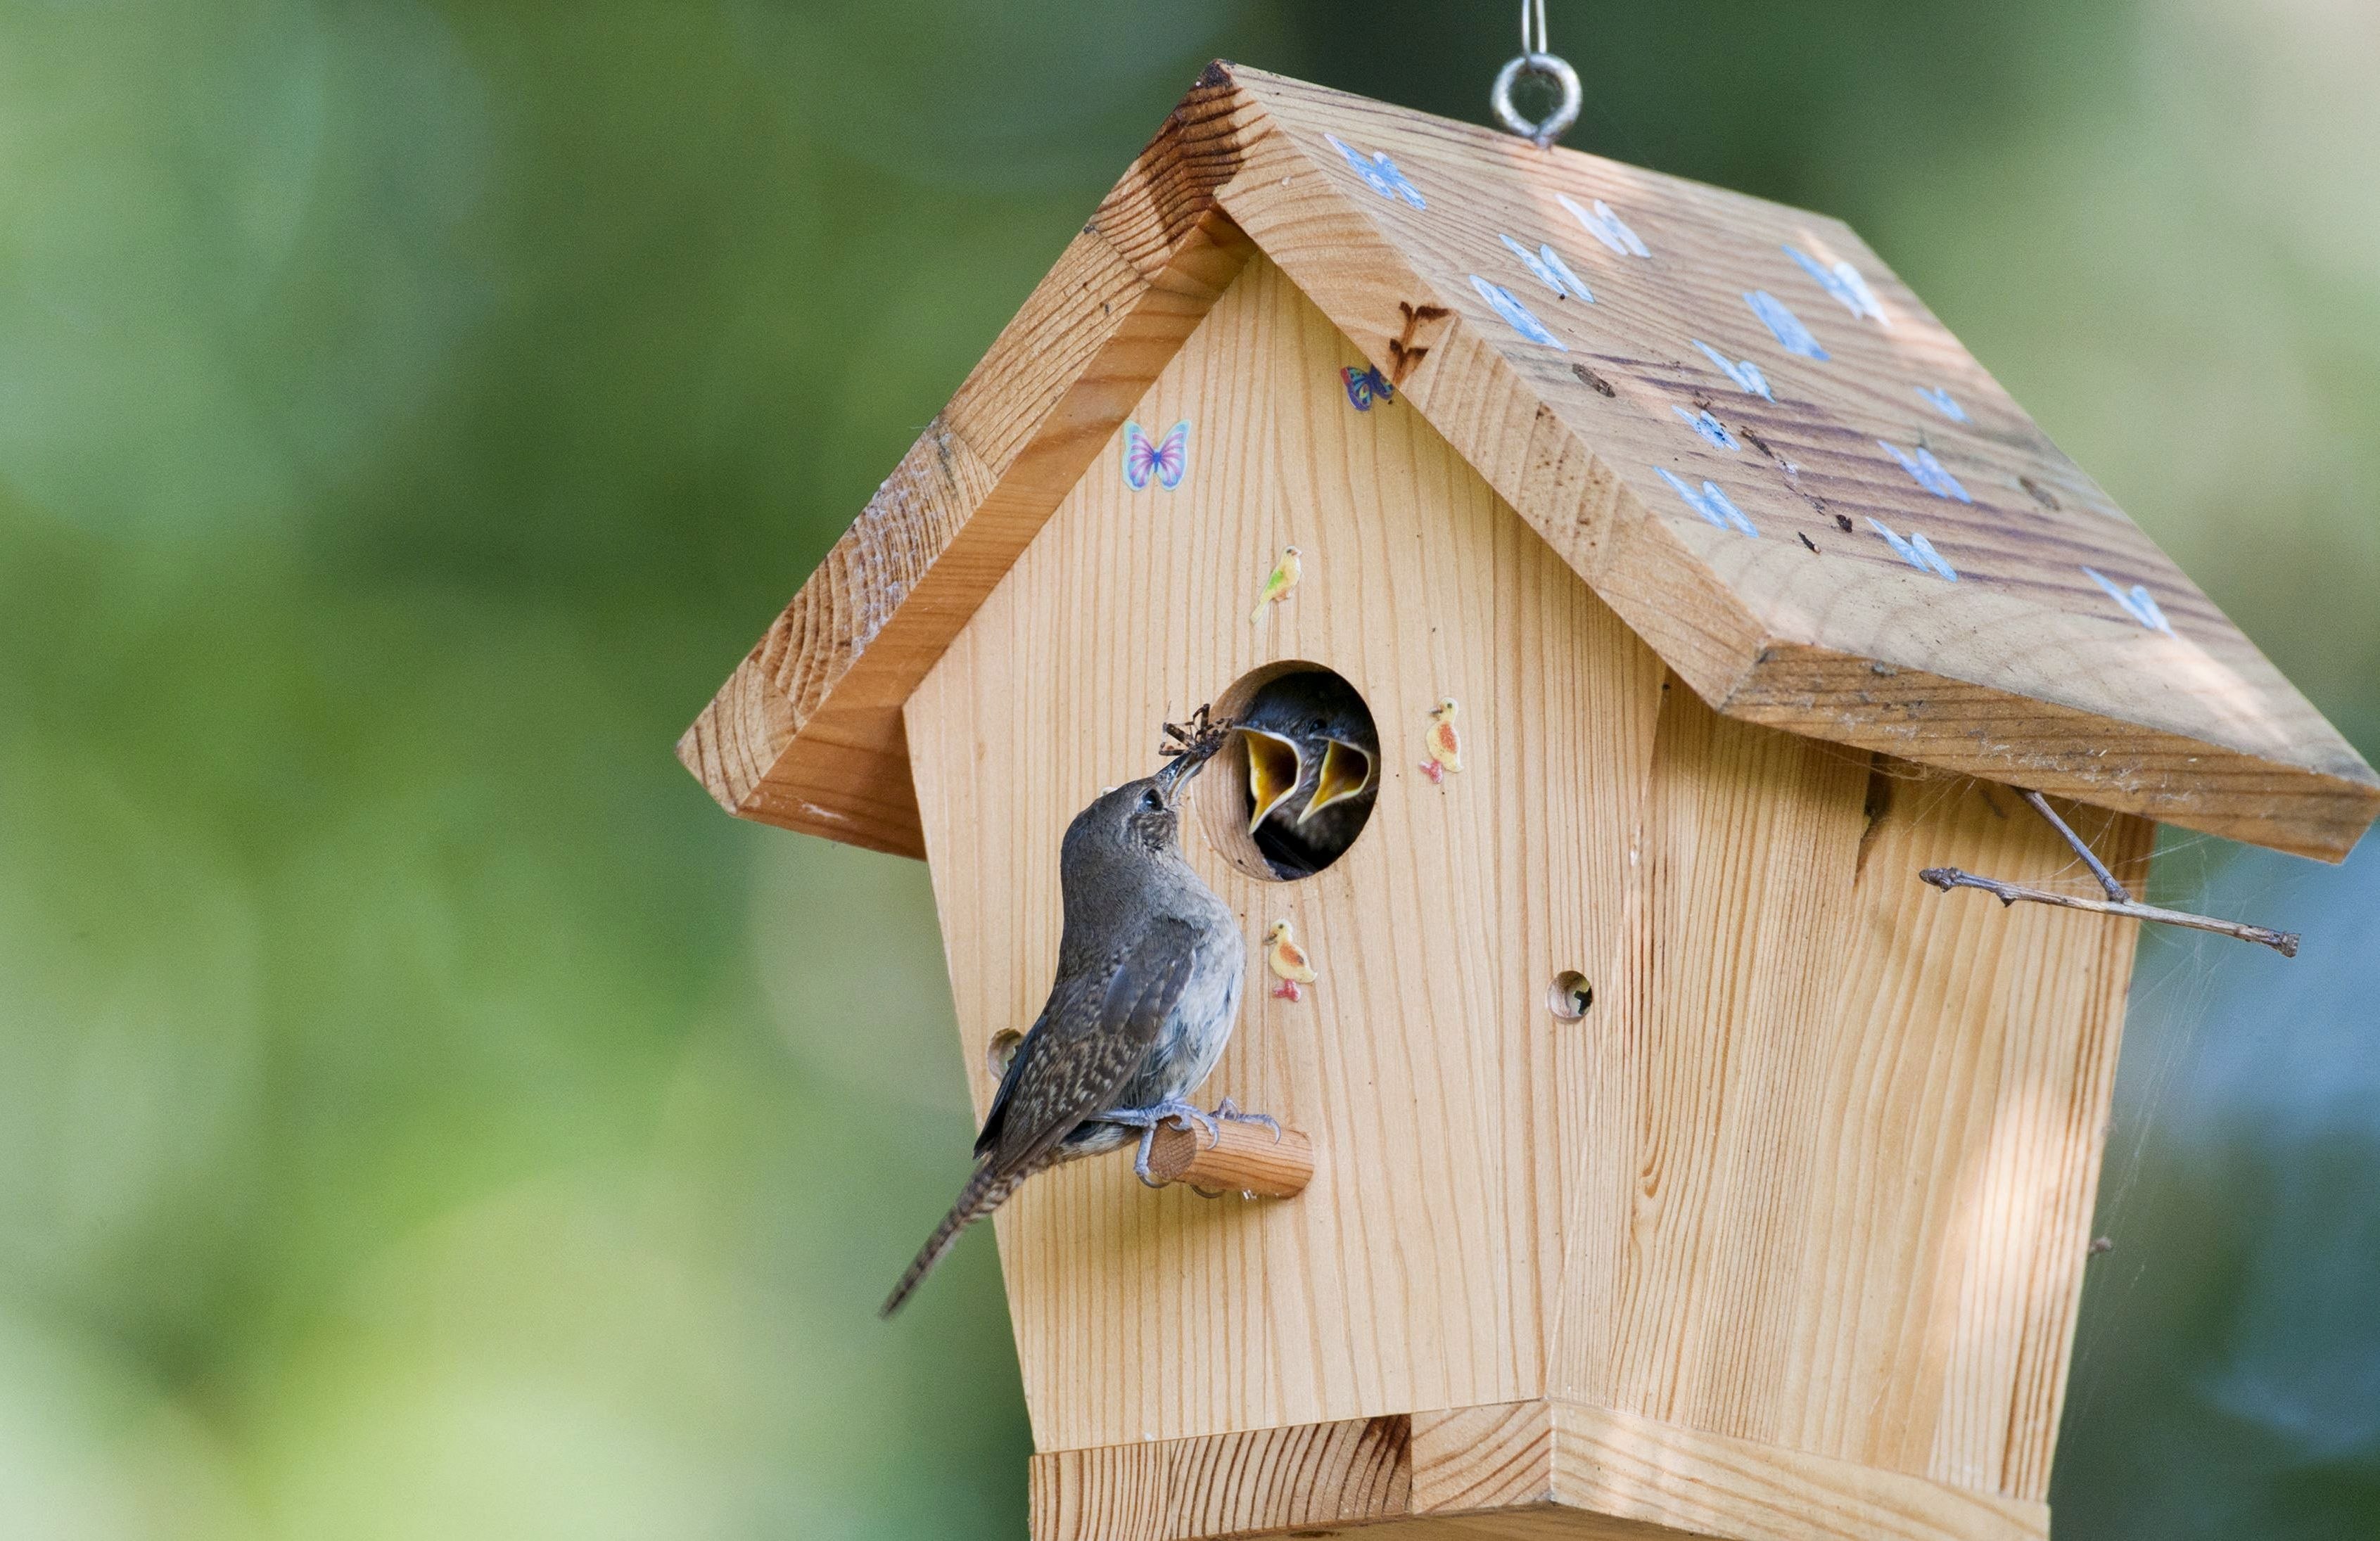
[
  {"x": 1346, "y": 771},
  {"x": 1176, "y": 772},
  {"x": 1275, "y": 768}
]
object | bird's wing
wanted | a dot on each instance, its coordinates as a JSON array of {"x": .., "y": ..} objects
[
  {"x": 1091, "y": 1040},
  {"x": 994, "y": 1121}
]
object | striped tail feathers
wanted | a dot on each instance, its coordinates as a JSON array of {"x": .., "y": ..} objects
[{"x": 985, "y": 1192}]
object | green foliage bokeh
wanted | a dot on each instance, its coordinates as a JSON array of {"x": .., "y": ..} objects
[{"x": 423, "y": 1114}]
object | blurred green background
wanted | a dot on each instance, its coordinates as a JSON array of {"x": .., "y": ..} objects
[{"x": 423, "y": 1114}]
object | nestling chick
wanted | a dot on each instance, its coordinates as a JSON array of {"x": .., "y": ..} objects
[
  {"x": 1150, "y": 969},
  {"x": 1313, "y": 770}
]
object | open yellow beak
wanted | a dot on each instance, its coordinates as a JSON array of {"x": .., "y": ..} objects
[
  {"x": 1274, "y": 768},
  {"x": 1346, "y": 771}
]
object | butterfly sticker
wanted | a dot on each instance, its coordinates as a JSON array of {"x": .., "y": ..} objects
[
  {"x": 1743, "y": 371},
  {"x": 1712, "y": 504},
  {"x": 1916, "y": 551},
  {"x": 1546, "y": 266},
  {"x": 1366, "y": 386},
  {"x": 1782, "y": 321},
  {"x": 2137, "y": 602},
  {"x": 1165, "y": 460},
  {"x": 1378, "y": 171},
  {"x": 1942, "y": 402},
  {"x": 1516, "y": 314},
  {"x": 1926, "y": 471},
  {"x": 1607, "y": 227},
  {"x": 1843, "y": 282},
  {"x": 1710, "y": 428}
]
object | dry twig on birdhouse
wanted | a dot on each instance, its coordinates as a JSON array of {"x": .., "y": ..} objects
[{"x": 2119, "y": 901}]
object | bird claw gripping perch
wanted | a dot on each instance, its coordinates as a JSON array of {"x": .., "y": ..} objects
[
  {"x": 1229, "y": 1112},
  {"x": 1182, "y": 1114}
]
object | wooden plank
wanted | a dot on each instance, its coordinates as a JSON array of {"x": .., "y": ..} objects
[
  {"x": 1257, "y": 1483},
  {"x": 2025, "y": 668},
  {"x": 1528, "y": 1470},
  {"x": 808, "y": 732},
  {"x": 1853, "y": 1141},
  {"x": 1415, "y": 1271}
]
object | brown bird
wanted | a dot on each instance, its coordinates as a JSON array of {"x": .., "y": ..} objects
[{"x": 1150, "y": 969}]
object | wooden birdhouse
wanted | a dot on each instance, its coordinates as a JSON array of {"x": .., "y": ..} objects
[{"x": 1680, "y": 1159}]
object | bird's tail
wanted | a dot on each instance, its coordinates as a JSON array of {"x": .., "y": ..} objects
[{"x": 984, "y": 1193}]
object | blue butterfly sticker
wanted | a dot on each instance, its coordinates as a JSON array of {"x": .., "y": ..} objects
[
  {"x": 1916, "y": 551},
  {"x": 1788, "y": 327},
  {"x": 1365, "y": 386},
  {"x": 1743, "y": 371},
  {"x": 1378, "y": 171},
  {"x": 1516, "y": 314},
  {"x": 2137, "y": 602},
  {"x": 1712, "y": 504},
  {"x": 1710, "y": 428},
  {"x": 1163, "y": 461},
  {"x": 1926, "y": 471},
  {"x": 1843, "y": 282},
  {"x": 1942, "y": 402},
  {"x": 1546, "y": 266},
  {"x": 1606, "y": 226}
]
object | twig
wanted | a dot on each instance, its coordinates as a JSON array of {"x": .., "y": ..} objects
[
  {"x": 1948, "y": 877},
  {"x": 2116, "y": 891}
]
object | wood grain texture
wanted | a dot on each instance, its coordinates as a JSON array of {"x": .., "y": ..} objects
[
  {"x": 2024, "y": 670},
  {"x": 1424, "y": 1063},
  {"x": 1531, "y": 1469},
  {"x": 1262, "y": 1481},
  {"x": 1243, "y": 1158},
  {"x": 1814, "y": 1171}
]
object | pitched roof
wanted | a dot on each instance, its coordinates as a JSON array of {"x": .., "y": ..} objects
[{"x": 1728, "y": 416}]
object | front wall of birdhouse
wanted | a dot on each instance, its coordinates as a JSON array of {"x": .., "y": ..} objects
[{"x": 1816, "y": 1168}]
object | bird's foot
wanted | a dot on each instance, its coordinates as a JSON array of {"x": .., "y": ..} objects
[
  {"x": 1287, "y": 990},
  {"x": 1230, "y": 1113},
  {"x": 1434, "y": 772},
  {"x": 1146, "y": 1119}
]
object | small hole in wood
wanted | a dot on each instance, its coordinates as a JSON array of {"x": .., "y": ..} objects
[
  {"x": 1569, "y": 995},
  {"x": 1001, "y": 1050},
  {"x": 1295, "y": 785}
]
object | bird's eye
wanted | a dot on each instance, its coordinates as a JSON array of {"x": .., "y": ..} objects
[{"x": 1151, "y": 800}]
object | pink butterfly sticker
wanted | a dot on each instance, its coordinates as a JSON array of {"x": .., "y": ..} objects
[{"x": 1165, "y": 460}]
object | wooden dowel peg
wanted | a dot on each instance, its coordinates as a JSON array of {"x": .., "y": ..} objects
[{"x": 1243, "y": 1159}]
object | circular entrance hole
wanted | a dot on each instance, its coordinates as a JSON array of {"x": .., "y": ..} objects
[
  {"x": 1569, "y": 995},
  {"x": 1289, "y": 793}
]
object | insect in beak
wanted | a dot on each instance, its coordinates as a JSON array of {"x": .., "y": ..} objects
[
  {"x": 1346, "y": 771},
  {"x": 1275, "y": 767}
]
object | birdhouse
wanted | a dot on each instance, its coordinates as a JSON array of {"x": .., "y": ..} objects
[{"x": 1681, "y": 1164}]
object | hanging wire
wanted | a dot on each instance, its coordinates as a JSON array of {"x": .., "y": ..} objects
[{"x": 1539, "y": 61}]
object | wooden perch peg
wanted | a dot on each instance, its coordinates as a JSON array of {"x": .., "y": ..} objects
[{"x": 1244, "y": 1159}]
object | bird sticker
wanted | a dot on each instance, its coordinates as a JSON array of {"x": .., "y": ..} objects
[
  {"x": 1546, "y": 265},
  {"x": 1366, "y": 386},
  {"x": 1713, "y": 431},
  {"x": 1313, "y": 758},
  {"x": 1843, "y": 282},
  {"x": 1162, "y": 460},
  {"x": 1517, "y": 315},
  {"x": 1784, "y": 324},
  {"x": 1606, "y": 226},
  {"x": 1288, "y": 962},
  {"x": 1943, "y": 401},
  {"x": 1443, "y": 743},
  {"x": 1278, "y": 583}
]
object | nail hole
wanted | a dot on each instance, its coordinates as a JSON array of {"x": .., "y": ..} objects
[
  {"x": 1569, "y": 995},
  {"x": 1001, "y": 1050}
]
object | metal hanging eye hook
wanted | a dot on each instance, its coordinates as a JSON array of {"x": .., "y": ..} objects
[{"x": 1534, "y": 60}]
